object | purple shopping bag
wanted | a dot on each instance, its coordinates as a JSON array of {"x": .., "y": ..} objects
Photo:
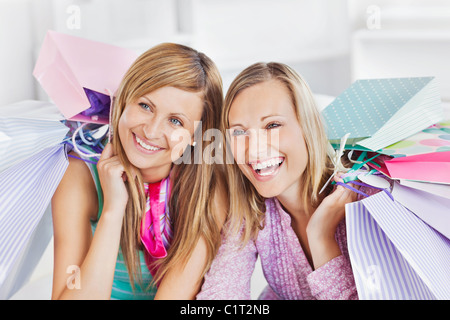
[{"x": 394, "y": 253}]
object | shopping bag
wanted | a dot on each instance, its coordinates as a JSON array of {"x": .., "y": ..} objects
[
  {"x": 380, "y": 112},
  {"x": 435, "y": 138},
  {"x": 441, "y": 190},
  {"x": 394, "y": 254},
  {"x": 26, "y": 190},
  {"x": 431, "y": 208},
  {"x": 81, "y": 75},
  {"x": 428, "y": 167},
  {"x": 88, "y": 140},
  {"x": 26, "y": 128},
  {"x": 28, "y": 259}
]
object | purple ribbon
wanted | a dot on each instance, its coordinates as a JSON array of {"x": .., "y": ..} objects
[{"x": 364, "y": 185}]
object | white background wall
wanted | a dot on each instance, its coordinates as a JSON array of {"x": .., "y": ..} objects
[
  {"x": 330, "y": 42},
  {"x": 312, "y": 36}
]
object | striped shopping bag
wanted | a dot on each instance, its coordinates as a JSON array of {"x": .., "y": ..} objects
[
  {"x": 26, "y": 190},
  {"x": 27, "y": 127},
  {"x": 394, "y": 254}
]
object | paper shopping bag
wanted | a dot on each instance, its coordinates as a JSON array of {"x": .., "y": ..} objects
[
  {"x": 26, "y": 190},
  {"x": 435, "y": 138},
  {"x": 431, "y": 208},
  {"x": 428, "y": 167},
  {"x": 26, "y": 128},
  {"x": 25, "y": 264},
  {"x": 80, "y": 74},
  {"x": 394, "y": 254},
  {"x": 380, "y": 112},
  {"x": 438, "y": 189}
]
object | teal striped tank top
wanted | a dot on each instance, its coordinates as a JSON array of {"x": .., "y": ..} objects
[{"x": 122, "y": 289}]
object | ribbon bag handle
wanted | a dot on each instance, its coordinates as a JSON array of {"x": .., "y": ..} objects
[{"x": 79, "y": 131}]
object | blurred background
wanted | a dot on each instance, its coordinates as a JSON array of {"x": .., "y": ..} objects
[{"x": 330, "y": 43}]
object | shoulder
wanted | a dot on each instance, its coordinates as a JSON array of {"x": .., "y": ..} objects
[
  {"x": 79, "y": 174},
  {"x": 76, "y": 190},
  {"x": 77, "y": 166}
]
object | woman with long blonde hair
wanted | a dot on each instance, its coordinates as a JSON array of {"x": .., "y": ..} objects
[
  {"x": 141, "y": 222},
  {"x": 278, "y": 145}
]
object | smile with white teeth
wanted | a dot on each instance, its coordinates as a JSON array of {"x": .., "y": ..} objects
[
  {"x": 146, "y": 146},
  {"x": 267, "y": 167}
]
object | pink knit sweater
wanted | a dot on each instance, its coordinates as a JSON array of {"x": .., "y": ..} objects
[{"x": 285, "y": 266}]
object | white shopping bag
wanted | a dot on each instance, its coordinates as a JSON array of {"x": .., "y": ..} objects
[
  {"x": 26, "y": 190},
  {"x": 26, "y": 128}
]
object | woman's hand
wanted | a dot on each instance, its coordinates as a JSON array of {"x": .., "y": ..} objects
[
  {"x": 332, "y": 209},
  {"x": 111, "y": 173},
  {"x": 322, "y": 225}
]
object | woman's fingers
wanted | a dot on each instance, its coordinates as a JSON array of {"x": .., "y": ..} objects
[
  {"x": 107, "y": 153},
  {"x": 109, "y": 161},
  {"x": 342, "y": 193}
]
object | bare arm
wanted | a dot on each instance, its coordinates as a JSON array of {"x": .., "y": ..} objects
[
  {"x": 183, "y": 283},
  {"x": 76, "y": 249}
]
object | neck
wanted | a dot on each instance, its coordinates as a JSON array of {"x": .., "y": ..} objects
[
  {"x": 152, "y": 175},
  {"x": 292, "y": 204}
]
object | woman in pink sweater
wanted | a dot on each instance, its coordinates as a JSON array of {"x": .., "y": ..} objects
[{"x": 279, "y": 166}]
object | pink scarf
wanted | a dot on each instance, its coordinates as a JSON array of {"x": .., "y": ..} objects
[{"x": 156, "y": 229}]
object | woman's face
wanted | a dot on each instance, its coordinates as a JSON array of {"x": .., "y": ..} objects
[
  {"x": 157, "y": 127},
  {"x": 266, "y": 138}
]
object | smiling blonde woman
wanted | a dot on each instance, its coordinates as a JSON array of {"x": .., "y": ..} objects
[
  {"x": 156, "y": 224},
  {"x": 279, "y": 146}
]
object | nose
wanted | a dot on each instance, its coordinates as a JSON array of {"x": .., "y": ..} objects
[
  {"x": 153, "y": 128},
  {"x": 257, "y": 145}
]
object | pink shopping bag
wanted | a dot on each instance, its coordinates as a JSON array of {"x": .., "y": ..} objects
[
  {"x": 80, "y": 74},
  {"x": 428, "y": 167}
]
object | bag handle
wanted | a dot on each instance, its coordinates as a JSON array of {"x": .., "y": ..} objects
[
  {"x": 80, "y": 131},
  {"x": 388, "y": 192}
]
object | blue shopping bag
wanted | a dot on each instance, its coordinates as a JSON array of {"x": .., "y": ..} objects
[{"x": 379, "y": 112}]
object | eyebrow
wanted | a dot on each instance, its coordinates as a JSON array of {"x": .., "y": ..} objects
[
  {"x": 149, "y": 101},
  {"x": 261, "y": 120},
  {"x": 271, "y": 115}
]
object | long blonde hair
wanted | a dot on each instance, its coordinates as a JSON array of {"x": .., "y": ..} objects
[
  {"x": 246, "y": 205},
  {"x": 193, "y": 187}
]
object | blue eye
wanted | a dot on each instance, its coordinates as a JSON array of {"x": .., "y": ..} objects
[
  {"x": 176, "y": 122},
  {"x": 144, "y": 106},
  {"x": 273, "y": 125},
  {"x": 238, "y": 132}
]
